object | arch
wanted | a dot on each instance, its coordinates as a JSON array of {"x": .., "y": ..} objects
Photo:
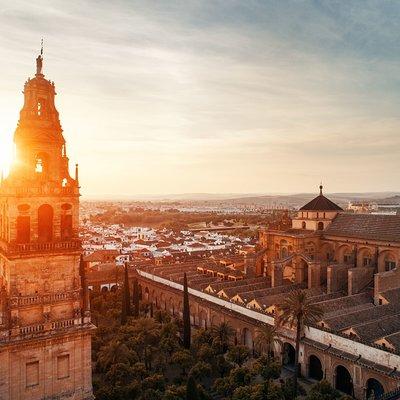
[
  {"x": 247, "y": 338},
  {"x": 163, "y": 304},
  {"x": 203, "y": 319},
  {"x": 289, "y": 354},
  {"x": 104, "y": 288},
  {"x": 374, "y": 388},
  {"x": 215, "y": 320},
  {"x": 345, "y": 254},
  {"x": 45, "y": 223},
  {"x": 387, "y": 261},
  {"x": 192, "y": 312},
  {"x": 320, "y": 226},
  {"x": 284, "y": 248},
  {"x": 302, "y": 270},
  {"x": 113, "y": 287},
  {"x": 171, "y": 306},
  {"x": 365, "y": 257},
  {"x": 41, "y": 163},
  {"x": 315, "y": 370},
  {"x": 343, "y": 380}
]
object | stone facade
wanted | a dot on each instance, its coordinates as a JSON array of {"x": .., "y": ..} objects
[{"x": 45, "y": 328}]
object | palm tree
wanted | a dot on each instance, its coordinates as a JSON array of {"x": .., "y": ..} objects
[
  {"x": 265, "y": 339},
  {"x": 298, "y": 311},
  {"x": 223, "y": 333},
  {"x": 112, "y": 353}
]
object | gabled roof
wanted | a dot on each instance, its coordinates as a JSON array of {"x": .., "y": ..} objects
[
  {"x": 366, "y": 226},
  {"x": 321, "y": 203}
]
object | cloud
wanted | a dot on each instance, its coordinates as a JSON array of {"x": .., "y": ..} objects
[{"x": 218, "y": 96}]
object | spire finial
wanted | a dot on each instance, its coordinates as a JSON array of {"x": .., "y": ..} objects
[
  {"x": 39, "y": 60},
  {"x": 320, "y": 188}
]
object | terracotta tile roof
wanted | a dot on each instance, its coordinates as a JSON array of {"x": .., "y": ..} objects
[
  {"x": 370, "y": 331},
  {"x": 394, "y": 340},
  {"x": 366, "y": 226},
  {"x": 321, "y": 203},
  {"x": 365, "y": 313},
  {"x": 345, "y": 302}
]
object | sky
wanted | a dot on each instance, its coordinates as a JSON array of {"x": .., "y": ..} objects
[{"x": 159, "y": 97}]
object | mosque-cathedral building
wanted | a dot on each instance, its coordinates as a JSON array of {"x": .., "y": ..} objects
[
  {"x": 45, "y": 328},
  {"x": 348, "y": 264}
]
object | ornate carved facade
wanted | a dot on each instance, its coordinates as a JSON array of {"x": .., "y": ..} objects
[{"x": 45, "y": 328}]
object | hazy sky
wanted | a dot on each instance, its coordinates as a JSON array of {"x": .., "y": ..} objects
[{"x": 215, "y": 96}]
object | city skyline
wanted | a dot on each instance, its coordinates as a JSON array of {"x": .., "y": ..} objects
[{"x": 214, "y": 97}]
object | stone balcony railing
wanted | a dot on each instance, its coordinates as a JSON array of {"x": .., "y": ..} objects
[
  {"x": 36, "y": 247},
  {"x": 41, "y": 191},
  {"x": 41, "y": 299},
  {"x": 40, "y": 329}
]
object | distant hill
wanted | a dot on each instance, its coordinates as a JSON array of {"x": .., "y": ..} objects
[
  {"x": 393, "y": 200},
  {"x": 297, "y": 200},
  {"x": 272, "y": 200}
]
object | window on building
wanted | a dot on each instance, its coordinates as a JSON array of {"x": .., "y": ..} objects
[
  {"x": 320, "y": 226},
  {"x": 389, "y": 265},
  {"x": 32, "y": 374},
  {"x": 304, "y": 225},
  {"x": 367, "y": 261},
  {"x": 41, "y": 162},
  {"x": 63, "y": 366},
  {"x": 41, "y": 107},
  {"x": 348, "y": 258},
  {"x": 39, "y": 166}
]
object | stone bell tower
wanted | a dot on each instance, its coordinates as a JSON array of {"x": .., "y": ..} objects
[{"x": 45, "y": 328}]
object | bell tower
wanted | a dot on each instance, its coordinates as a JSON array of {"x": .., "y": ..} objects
[{"x": 45, "y": 328}]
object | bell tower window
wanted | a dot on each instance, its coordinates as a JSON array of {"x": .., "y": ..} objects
[
  {"x": 41, "y": 107},
  {"x": 45, "y": 223},
  {"x": 39, "y": 166},
  {"x": 41, "y": 163}
]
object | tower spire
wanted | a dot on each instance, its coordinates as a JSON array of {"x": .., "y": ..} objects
[
  {"x": 39, "y": 60},
  {"x": 320, "y": 188}
]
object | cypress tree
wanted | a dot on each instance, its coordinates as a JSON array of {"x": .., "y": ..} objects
[
  {"x": 126, "y": 298},
  {"x": 151, "y": 310},
  {"x": 136, "y": 297},
  {"x": 186, "y": 314},
  {"x": 191, "y": 389}
]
